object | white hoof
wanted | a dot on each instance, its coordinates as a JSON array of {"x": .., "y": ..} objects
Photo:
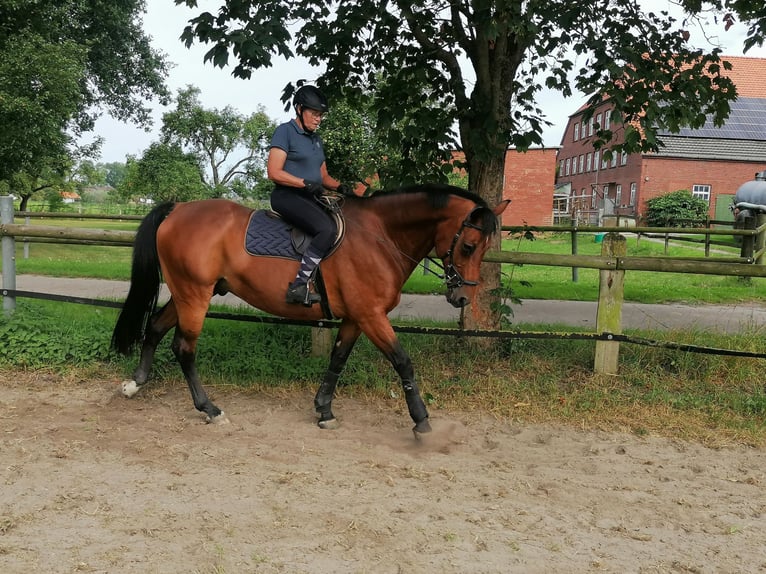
[
  {"x": 221, "y": 419},
  {"x": 129, "y": 388},
  {"x": 331, "y": 424}
]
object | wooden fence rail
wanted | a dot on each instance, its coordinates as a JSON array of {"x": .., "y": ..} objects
[{"x": 612, "y": 264}]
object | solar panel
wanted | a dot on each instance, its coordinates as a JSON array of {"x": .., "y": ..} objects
[{"x": 747, "y": 121}]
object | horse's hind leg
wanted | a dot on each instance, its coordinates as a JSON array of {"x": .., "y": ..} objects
[
  {"x": 159, "y": 324},
  {"x": 348, "y": 333},
  {"x": 184, "y": 347}
]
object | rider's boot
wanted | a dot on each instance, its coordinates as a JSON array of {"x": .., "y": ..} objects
[{"x": 298, "y": 291}]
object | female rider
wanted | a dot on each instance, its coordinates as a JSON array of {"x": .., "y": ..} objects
[{"x": 296, "y": 164}]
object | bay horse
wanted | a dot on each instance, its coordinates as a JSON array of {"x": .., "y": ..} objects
[{"x": 198, "y": 248}]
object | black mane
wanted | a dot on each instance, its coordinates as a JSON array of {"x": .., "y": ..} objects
[{"x": 438, "y": 195}]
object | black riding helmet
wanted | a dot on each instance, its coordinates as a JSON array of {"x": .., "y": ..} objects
[{"x": 310, "y": 97}]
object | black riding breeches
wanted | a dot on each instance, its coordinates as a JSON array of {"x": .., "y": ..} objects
[{"x": 299, "y": 208}]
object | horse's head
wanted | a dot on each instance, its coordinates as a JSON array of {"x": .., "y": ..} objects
[{"x": 468, "y": 244}]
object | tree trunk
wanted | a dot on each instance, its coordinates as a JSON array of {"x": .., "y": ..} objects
[{"x": 486, "y": 179}]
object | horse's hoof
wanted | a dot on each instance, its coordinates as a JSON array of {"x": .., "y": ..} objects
[
  {"x": 330, "y": 424},
  {"x": 421, "y": 428},
  {"x": 129, "y": 388},
  {"x": 220, "y": 419}
]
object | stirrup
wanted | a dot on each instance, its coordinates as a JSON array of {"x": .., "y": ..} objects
[{"x": 300, "y": 294}]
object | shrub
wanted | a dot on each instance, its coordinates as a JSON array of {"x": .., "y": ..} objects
[{"x": 677, "y": 209}]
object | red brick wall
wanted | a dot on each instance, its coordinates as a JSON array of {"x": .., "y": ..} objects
[
  {"x": 529, "y": 179},
  {"x": 664, "y": 175}
]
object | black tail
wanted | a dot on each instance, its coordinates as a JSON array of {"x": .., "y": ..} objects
[{"x": 145, "y": 279}]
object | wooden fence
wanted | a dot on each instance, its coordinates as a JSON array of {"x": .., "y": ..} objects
[{"x": 612, "y": 263}]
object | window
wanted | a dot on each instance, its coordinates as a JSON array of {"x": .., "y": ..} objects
[
  {"x": 599, "y": 125},
  {"x": 633, "y": 188},
  {"x": 582, "y": 128},
  {"x": 561, "y": 167},
  {"x": 590, "y": 127},
  {"x": 618, "y": 195},
  {"x": 577, "y": 131},
  {"x": 568, "y": 165},
  {"x": 623, "y": 158},
  {"x": 595, "y": 161},
  {"x": 593, "y": 197},
  {"x": 605, "y": 191},
  {"x": 588, "y": 162},
  {"x": 702, "y": 191},
  {"x": 582, "y": 163},
  {"x": 604, "y": 162},
  {"x": 614, "y": 159}
]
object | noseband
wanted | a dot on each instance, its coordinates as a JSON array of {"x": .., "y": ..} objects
[{"x": 452, "y": 276}]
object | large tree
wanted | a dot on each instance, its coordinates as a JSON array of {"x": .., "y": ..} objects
[
  {"x": 230, "y": 145},
  {"x": 163, "y": 173},
  {"x": 62, "y": 63},
  {"x": 480, "y": 64}
]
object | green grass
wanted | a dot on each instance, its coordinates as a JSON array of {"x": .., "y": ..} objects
[
  {"x": 713, "y": 399},
  {"x": 540, "y": 282}
]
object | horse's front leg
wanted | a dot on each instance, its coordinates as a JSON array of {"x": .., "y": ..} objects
[
  {"x": 159, "y": 324},
  {"x": 403, "y": 365},
  {"x": 348, "y": 333},
  {"x": 381, "y": 333}
]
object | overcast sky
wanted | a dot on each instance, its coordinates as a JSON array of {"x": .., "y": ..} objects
[{"x": 165, "y": 21}]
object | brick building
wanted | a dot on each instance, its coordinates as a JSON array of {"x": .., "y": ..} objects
[
  {"x": 710, "y": 162},
  {"x": 528, "y": 183}
]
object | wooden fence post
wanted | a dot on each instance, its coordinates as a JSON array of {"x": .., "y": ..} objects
[
  {"x": 610, "y": 298},
  {"x": 321, "y": 342},
  {"x": 760, "y": 239},
  {"x": 575, "y": 270},
  {"x": 9, "y": 254}
]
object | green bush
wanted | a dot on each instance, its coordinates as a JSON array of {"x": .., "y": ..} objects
[{"x": 677, "y": 209}]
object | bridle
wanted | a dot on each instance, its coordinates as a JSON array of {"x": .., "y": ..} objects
[{"x": 452, "y": 277}]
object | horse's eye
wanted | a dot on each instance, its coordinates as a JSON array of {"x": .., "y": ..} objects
[{"x": 468, "y": 249}]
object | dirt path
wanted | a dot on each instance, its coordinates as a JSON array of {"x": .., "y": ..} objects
[{"x": 93, "y": 482}]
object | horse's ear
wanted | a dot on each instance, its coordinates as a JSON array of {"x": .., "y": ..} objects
[{"x": 501, "y": 206}]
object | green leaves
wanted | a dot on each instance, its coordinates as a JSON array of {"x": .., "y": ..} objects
[
  {"x": 63, "y": 63},
  {"x": 230, "y": 147},
  {"x": 677, "y": 209}
]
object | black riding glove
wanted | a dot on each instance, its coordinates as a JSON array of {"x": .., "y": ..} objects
[
  {"x": 314, "y": 188},
  {"x": 344, "y": 189}
]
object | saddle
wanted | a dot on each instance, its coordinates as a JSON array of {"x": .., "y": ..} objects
[{"x": 268, "y": 235}]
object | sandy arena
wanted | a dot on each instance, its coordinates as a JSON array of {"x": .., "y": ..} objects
[{"x": 94, "y": 482}]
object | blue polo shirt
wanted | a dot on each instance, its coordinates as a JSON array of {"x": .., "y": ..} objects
[{"x": 305, "y": 154}]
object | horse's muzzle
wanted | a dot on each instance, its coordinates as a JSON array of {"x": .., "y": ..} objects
[{"x": 456, "y": 299}]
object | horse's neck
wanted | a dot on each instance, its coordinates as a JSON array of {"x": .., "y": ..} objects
[{"x": 411, "y": 224}]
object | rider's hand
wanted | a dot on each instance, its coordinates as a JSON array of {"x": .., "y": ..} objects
[{"x": 313, "y": 188}]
